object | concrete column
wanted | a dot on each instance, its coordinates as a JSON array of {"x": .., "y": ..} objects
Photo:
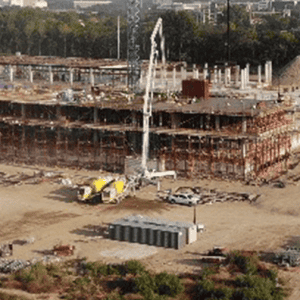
[
  {"x": 270, "y": 71},
  {"x": 247, "y": 74},
  {"x": 243, "y": 79},
  {"x": 201, "y": 122},
  {"x": 50, "y": 75},
  {"x": 11, "y": 73},
  {"x": 30, "y": 74},
  {"x": 205, "y": 71},
  {"x": 244, "y": 125},
  {"x": 259, "y": 74},
  {"x": 95, "y": 114},
  {"x": 195, "y": 72},
  {"x": 141, "y": 78},
  {"x": 237, "y": 74},
  {"x": 244, "y": 153},
  {"x": 71, "y": 76},
  {"x": 134, "y": 119},
  {"x": 183, "y": 73},
  {"x": 92, "y": 78},
  {"x": 174, "y": 77},
  {"x": 215, "y": 74},
  {"x": 174, "y": 121},
  {"x": 266, "y": 73},
  {"x": 162, "y": 164},
  {"x": 58, "y": 112},
  {"x": 23, "y": 111},
  {"x": 164, "y": 72},
  {"x": 160, "y": 119},
  {"x": 220, "y": 75},
  {"x": 217, "y": 123}
]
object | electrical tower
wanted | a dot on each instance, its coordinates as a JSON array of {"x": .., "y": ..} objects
[{"x": 133, "y": 38}]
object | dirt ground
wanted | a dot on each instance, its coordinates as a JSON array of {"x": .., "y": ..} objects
[{"x": 48, "y": 212}]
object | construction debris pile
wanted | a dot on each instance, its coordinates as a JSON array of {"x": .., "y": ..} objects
[
  {"x": 22, "y": 178},
  {"x": 288, "y": 258},
  {"x": 6, "y": 250},
  {"x": 210, "y": 196},
  {"x": 13, "y": 265}
]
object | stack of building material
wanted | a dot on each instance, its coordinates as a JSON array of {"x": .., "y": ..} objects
[
  {"x": 156, "y": 232},
  {"x": 63, "y": 250}
]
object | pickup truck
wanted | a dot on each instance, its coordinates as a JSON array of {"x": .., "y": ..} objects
[{"x": 184, "y": 198}]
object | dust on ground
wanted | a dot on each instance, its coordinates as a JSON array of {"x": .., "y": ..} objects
[{"x": 48, "y": 212}]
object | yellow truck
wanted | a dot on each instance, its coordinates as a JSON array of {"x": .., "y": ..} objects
[{"x": 103, "y": 190}]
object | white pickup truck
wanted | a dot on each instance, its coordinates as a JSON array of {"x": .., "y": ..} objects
[{"x": 184, "y": 198}]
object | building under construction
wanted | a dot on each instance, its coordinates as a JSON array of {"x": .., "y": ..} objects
[{"x": 78, "y": 113}]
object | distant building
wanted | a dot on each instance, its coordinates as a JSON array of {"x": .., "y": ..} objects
[
  {"x": 4, "y": 2},
  {"x": 23, "y": 3},
  {"x": 41, "y": 4},
  {"x": 85, "y": 4}
]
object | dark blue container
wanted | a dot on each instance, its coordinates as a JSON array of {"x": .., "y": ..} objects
[
  {"x": 134, "y": 234},
  {"x": 126, "y": 232},
  {"x": 151, "y": 235},
  {"x": 143, "y": 233}
]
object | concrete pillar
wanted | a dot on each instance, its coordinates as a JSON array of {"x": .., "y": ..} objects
[
  {"x": 205, "y": 71},
  {"x": 164, "y": 72},
  {"x": 201, "y": 122},
  {"x": 215, "y": 74},
  {"x": 270, "y": 71},
  {"x": 183, "y": 73},
  {"x": 23, "y": 111},
  {"x": 244, "y": 153},
  {"x": 95, "y": 114},
  {"x": 50, "y": 75},
  {"x": 243, "y": 79},
  {"x": 11, "y": 73},
  {"x": 58, "y": 112},
  {"x": 195, "y": 72},
  {"x": 259, "y": 74},
  {"x": 217, "y": 123},
  {"x": 160, "y": 119},
  {"x": 162, "y": 164},
  {"x": 237, "y": 75},
  {"x": 220, "y": 75},
  {"x": 141, "y": 78},
  {"x": 134, "y": 119},
  {"x": 174, "y": 77},
  {"x": 244, "y": 125},
  {"x": 174, "y": 121},
  {"x": 92, "y": 78},
  {"x": 247, "y": 74},
  {"x": 30, "y": 74},
  {"x": 71, "y": 76},
  {"x": 267, "y": 73}
]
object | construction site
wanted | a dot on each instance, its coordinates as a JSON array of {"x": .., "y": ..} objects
[{"x": 80, "y": 113}]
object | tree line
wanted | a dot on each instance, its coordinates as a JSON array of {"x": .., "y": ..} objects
[{"x": 69, "y": 34}]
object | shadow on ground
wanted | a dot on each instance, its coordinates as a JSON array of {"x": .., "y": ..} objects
[
  {"x": 190, "y": 262},
  {"x": 137, "y": 204},
  {"x": 65, "y": 194},
  {"x": 92, "y": 231}
]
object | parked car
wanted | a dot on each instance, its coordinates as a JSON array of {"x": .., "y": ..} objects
[{"x": 184, "y": 198}]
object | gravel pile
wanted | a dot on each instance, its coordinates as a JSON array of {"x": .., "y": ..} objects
[{"x": 14, "y": 265}]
